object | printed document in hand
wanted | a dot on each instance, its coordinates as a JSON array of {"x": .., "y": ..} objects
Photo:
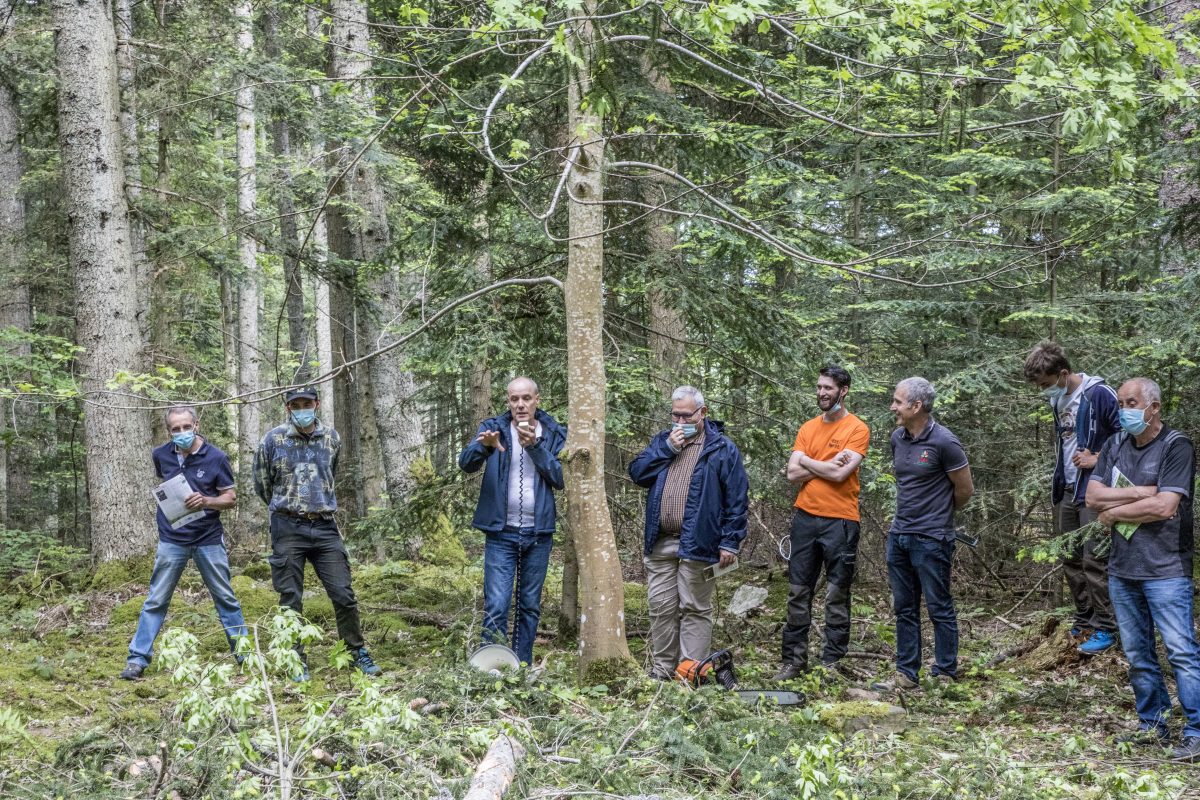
[
  {"x": 171, "y": 495},
  {"x": 1119, "y": 481}
]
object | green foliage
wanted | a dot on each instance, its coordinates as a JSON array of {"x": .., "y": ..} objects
[{"x": 39, "y": 562}]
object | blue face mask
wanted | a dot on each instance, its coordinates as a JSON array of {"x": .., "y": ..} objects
[
  {"x": 304, "y": 417},
  {"x": 689, "y": 429},
  {"x": 184, "y": 440},
  {"x": 1054, "y": 393},
  {"x": 1133, "y": 421}
]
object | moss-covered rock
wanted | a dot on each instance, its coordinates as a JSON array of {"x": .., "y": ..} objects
[
  {"x": 115, "y": 574},
  {"x": 414, "y": 585},
  {"x": 257, "y": 570},
  {"x": 859, "y": 715},
  {"x": 127, "y": 613}
]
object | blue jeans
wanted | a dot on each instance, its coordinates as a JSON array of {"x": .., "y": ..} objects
[
  {"x": 1166, "y": 604},
  {"x": 517, "y": 557},
  {"x": 213, "y": 563},
  {"x": 920, "y": 566}
]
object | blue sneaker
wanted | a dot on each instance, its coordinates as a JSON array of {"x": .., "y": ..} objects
[
  {"x": 1076, "y": 631},
  {"x": 364, "y": 663},
  {"x": 1100, "y": 641}
]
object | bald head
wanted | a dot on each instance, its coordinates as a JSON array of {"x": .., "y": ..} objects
[
  {"x": 522, "y": 384},
  {"x": 523, "y": 398}
]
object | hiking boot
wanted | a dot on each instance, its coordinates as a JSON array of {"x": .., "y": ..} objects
[
  {"x": 1188, "y": 750},
  {"x": 1147, "y": 734},
  {"x": 790, "y": 671},
  {"x": 897, "y": 683},
  {"x": 1100, "y": 641},
  {"x": 365, "y": 664},
  {"x": 942, "y": 680},
  {"x": 132, "y": 671}
]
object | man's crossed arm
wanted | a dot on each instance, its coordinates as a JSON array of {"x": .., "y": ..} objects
[{"x": 801, "y": 468}]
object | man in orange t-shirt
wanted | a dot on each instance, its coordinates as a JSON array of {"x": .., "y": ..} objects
[{"x": 824, "y": 464}]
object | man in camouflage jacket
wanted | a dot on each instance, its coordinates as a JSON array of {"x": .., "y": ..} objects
[{"x": 294, "y": 469}]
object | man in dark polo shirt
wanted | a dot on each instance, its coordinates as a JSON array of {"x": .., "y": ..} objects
[
  {"x": 932, "y": 480},
  {"x": 208, "y": 473},
  {"x": 1142, "y": 488},
  {"x": 294, "y": 469},
  {"x": 695, "y": 517}
]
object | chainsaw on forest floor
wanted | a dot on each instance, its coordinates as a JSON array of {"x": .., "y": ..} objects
[{"x": 718, "y": 668}]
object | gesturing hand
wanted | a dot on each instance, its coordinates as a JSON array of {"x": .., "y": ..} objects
[{"x": 490, "y": 439}]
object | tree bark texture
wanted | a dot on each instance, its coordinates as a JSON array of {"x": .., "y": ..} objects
[
  {"x": 602, "y": 642},
  {"x": 289, "y": 241},
  {"x": 496, "y": 772},
  {"x": 666, "y": 335},
  {"x": 115, "y": 440},
  {"x": 250, "y": 516},
  {"x": 16, "y": 310},
  {"x": 481, "y": 370},
  {"x": 1179, "y": 192},
  {"x": 322, "y": 301},
  {"x": 399, "y": 435}
]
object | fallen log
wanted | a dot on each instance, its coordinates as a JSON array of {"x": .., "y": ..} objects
[{"x": 495, "y": 773}]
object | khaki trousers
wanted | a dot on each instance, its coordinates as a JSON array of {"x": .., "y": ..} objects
[{"x": 681, "y": 611}]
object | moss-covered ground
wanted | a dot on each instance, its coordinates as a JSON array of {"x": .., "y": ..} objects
[{"x": 1041, "y": 724}]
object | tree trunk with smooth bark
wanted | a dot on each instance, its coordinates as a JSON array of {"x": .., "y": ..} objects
[
  {"x": 115, "y": 439},
  {"x": 251, "y": 515},
  {"x": 603, "y": 648}
]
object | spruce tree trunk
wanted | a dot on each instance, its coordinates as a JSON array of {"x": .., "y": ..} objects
[
  {"x": 397, "y": 433},
  {"x": 250, "y": 514},
  {"x": 115, "y": 439},
  {"x": 666, "y": 335},
  {"x": 480, "y": 369},
  {"x": 289, "y": 243},
  {"x": 602, "y": 644},
  {"x": 16, "y": 309},
  {"x": 1179, "y": 193},
  {"x": 322, "y": 320},
  {"x": 127, "y": 83}
]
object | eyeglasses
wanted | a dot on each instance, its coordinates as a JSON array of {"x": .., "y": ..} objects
[
  {"x": 181, "y": 428},
  {"x": 683, "y": 417}
]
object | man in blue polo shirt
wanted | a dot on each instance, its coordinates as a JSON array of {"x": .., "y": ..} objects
[
  {"x": 207, "y": 471},
  {"x": 932, "y": 480}
]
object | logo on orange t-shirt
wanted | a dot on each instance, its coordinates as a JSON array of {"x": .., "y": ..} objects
[{"x": 822, "y": 441}]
